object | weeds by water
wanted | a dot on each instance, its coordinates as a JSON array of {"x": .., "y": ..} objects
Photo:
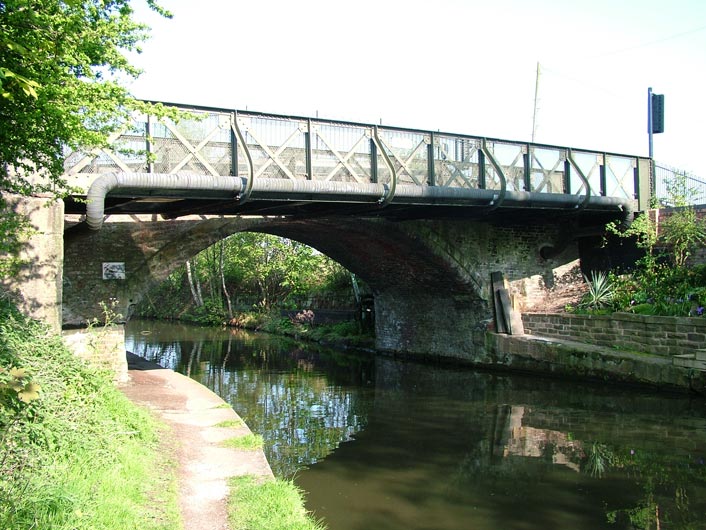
[
  {"x": 79, "y": 456},
  {"x": 230, "y": 423},
  {"x": 250, "y": 442},
  {"x": 274, "y": 504}
]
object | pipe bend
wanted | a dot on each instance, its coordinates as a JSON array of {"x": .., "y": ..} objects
[
  {"x": 95, "y": 205},
  {"x": 104, "y": 184}
]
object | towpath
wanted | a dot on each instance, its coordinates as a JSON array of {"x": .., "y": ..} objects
[{"x": 193, "y": 414}]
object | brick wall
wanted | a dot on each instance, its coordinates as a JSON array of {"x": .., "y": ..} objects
[
  {"x": 477, "y": 249},
  {"x": 624, "y": 331},
  {"x": 698, "y": 257}
]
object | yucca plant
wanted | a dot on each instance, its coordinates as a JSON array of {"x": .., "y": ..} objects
[{"x": 600, "y": 291}]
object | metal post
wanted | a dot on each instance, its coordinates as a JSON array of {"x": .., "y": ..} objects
[
  {"x": 649, "y": 120},
  {"x": 650, "y": 132},
  {"x": 481, "y": 169},
  {"x": 309, "y": 153},
  {"x": 148, "y": 144},
  {"x": 431, "y": 162},
  {"x": 636, "y": 183},
  {"x": 373, "y": 161},
  {"x": 233, "y": 152},
  {"x": 526, "y": 159}
]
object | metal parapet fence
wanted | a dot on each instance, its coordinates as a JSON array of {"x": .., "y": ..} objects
[{"x": 691, "y": 187}]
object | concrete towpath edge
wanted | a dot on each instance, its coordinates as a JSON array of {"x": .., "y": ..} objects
[{"x": 193, "y": 413}]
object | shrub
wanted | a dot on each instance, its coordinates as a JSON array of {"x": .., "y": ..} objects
[
  {"x": 600, "y": 292},
  {"x": 74, "y": 452}
]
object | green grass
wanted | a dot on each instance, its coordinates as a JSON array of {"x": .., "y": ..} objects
[
  {"x": 230, "y": 423},
  {"x": 81, "y": 456},
  {"x": 274, "y": 504},
  {"x": 249, "y": 442}
]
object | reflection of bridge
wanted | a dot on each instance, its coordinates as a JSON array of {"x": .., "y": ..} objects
[{"x": 303, "y": 166}]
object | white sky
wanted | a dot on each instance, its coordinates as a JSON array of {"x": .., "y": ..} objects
[{"x": 460, "y": 66}]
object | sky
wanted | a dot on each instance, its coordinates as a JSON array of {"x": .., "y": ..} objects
[{"x": 457, "y": 66}]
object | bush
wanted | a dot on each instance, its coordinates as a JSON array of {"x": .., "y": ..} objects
[
  {"x": 74, "y": 452},
  {"x": 600, "y": 292}
]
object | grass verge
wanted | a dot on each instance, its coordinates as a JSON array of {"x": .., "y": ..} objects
[
  {"x": 273, "y": 504},
  {"x": 230, "y": 423},
  {"x": 74, "y": 452},
  {"x": 250, "y": 442}
]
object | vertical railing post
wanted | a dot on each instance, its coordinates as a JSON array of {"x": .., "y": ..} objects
[
  {"x": 148, "y": 144},
  {"x": 526, "y": 158},
  {"x": 309, "y": 152},
  {"x": 567, "y": 176},
  {"x": 431, "y": 161},
  {"x": 603, "y": 180},
  {"x": 233, "y": 151},
  {"x": 481, "y": 169},
  {"x": 373, "y": 161},
  {"x": 636, "y": 182}
]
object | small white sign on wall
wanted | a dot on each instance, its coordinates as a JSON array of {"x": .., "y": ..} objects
[{"x": 113, "y": 270}]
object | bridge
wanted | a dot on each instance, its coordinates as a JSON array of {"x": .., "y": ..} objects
[
  {"x": 424, "y": 217},
  {"x": 223, "y": 162}
]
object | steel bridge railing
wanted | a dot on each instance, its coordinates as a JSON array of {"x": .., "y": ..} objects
[
  {"x": 296, "y": 148},
  {"x": 690, "y": 188}
]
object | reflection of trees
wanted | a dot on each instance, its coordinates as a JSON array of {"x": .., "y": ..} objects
[
  {"x": 274, "y": 384},
  {"x": 668, "y": 483},
  {"x": 164, "y": 354},
  {"x": 299, "y": 414},
  {"x": 639, "y": 456}
]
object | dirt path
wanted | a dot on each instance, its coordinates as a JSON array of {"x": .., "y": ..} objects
[{"x": 192, "y": 412}]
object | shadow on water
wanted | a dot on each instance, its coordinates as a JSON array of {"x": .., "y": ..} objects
[{"x": 382, "y": 444}]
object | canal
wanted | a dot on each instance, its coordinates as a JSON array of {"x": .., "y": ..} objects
[{"x": 388, "y": 445}]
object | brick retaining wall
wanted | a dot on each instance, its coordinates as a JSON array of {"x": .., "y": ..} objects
[{"x": 624, "y": 331}]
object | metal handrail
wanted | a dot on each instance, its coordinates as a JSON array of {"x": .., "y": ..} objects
[{"x": 348, "y": 160}]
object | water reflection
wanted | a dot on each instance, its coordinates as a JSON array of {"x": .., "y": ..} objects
[
  {"x": 389, "y": 445},
  {"x": 302, "y": 401}
]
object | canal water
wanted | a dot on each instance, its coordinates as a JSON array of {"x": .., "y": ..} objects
[{"x": 388, "y": 445}]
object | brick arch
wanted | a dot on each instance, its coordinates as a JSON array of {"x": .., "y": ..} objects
[
  {"x": 429, "y": 278},
  {"x": 424, "y": 304},
  {"x": 386, "y": 257}
]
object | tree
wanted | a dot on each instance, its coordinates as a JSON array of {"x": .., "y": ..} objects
[
  {"x": 194, "y": 285},
  {"x": 221, "y": 270},
  {"x": 682, "y": 231},
  {"x": 61, "y": 63}
]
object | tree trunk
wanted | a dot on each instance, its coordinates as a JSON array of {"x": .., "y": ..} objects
[
  {"x": 194, "y": 286},
  {"x": 223, "y": 282}
]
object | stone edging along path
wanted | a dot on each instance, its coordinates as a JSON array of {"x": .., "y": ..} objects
[{"x": 204, "y": 466}]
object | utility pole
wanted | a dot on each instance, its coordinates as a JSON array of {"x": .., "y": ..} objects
[{"x": 536, "y": 103}]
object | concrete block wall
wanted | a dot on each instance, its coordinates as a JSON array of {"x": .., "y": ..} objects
[
  {"x": 103, "y": 347},
  {"x": 624, "y": 331},
  {"x": 37, "y": 290},
  {"x": 581, "y": 361}
]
